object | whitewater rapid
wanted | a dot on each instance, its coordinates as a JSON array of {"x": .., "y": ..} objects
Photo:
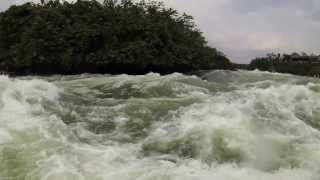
[{"x": 222, "y": 125}]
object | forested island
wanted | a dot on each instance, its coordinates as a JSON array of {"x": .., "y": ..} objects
[
  {"x": 295, "y": 63},
  {"x": 111, "y": 37}
]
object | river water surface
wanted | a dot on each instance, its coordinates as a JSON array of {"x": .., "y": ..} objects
[{"x": 221, "y": 126}]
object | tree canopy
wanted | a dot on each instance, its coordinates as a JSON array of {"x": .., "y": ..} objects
[
  {"x": 294, "y": 63},
  {"x": 110, "y": 37}
]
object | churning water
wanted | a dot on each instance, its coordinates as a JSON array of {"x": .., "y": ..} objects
[{"x": 222, "y": 126}]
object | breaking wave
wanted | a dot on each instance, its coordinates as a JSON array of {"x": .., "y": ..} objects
[{"x": 223, "y": 125}]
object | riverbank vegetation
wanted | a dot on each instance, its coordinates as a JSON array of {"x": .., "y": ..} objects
[
  {"x": 111, "y": 37},
  {"x": 295, "y": 63}
]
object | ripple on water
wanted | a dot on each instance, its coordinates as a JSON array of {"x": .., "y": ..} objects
[{"x": 228, "y": 125}]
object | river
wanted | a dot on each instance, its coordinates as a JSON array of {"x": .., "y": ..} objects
[{"x": 222, "y": 125}]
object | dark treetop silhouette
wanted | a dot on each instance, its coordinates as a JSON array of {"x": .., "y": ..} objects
[
  {"x": 295, "y": 63},
  {"x": 110, "y": 37}
]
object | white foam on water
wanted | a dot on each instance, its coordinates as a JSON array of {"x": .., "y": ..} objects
[
  {"x": 250, "y": 133},
  {"x": 4, "y": 136}
]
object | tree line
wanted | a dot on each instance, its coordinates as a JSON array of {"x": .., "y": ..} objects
[
  {"x": 294, "y": 63},
  {"x": 110, "y": 37}
]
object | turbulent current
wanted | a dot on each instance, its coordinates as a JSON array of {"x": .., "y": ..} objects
[{"x": 221, "y": 125}]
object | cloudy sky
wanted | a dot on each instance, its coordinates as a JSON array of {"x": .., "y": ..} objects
[{"x": 244, "y": 29}]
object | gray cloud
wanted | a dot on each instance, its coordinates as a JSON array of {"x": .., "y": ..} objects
[
  {"x": 244, "y": 29},
  {"x": 4, "y": 4},
  {"x": 249, "y": 5}
]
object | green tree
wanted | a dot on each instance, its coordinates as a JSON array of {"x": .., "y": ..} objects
[{"x": 112, "y": 37}]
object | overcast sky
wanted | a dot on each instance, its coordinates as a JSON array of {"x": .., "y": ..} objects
[{"x": 244, "y": 29}]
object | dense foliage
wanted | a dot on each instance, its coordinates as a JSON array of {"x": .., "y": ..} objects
[
  {"x": 112, "y": 37},
  {"x": 295, "y": 63}
]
